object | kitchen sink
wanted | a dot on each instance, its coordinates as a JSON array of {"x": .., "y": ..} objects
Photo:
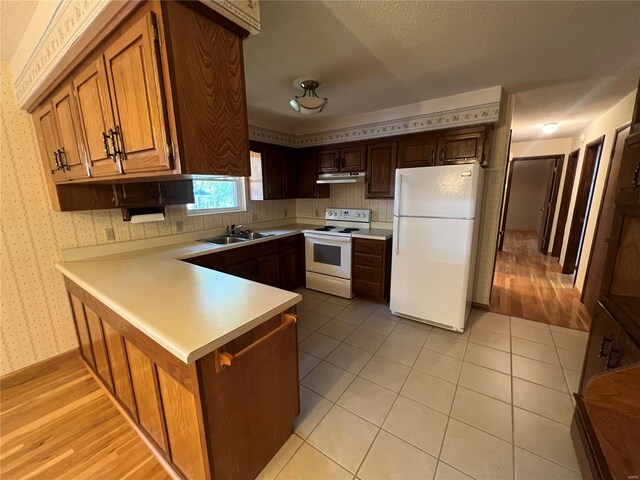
[
  {"x": 252, "y": 235},
  {"x": 224, "y": 240}
]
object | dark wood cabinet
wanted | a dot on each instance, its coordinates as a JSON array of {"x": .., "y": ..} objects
[
  {"x": 350, "y": 158},
  {"x": 272, "y": 175},
  {"x": 274, "y": 172},
  {"x": 290, "y": 174},
  {"x": 603, "y": 338},
  {"x": 308, "y": 175},
  {"x": 278, "y": 262},
  {"x": 151, "y": 194},
  {"x": 467, "y": 146},
  {"x": 381, "y": 167},
  {"x": 372, "y": 268},
  {"x": 417, "y": 151}
]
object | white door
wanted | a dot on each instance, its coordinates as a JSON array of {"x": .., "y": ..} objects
[
  {"x": 430, "y": 269},
  {"x": 447, "y": 191}
]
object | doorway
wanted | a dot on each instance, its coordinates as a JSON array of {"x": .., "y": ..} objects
[
  {"x": 582, "y": 207},
  {"x": 598, "y": 253},
  {"x": 563, "y": 209}
]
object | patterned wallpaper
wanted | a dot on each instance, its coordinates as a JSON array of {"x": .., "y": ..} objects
[{"x": 35, "y": 320}]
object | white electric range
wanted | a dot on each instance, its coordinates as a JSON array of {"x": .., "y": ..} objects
[{"x": 328, "y": 250}]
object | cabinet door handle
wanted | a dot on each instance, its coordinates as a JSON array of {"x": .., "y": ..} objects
[
  {"x": 56, "y": 157},
  {"x": 226, "y": 359},
  {"x": 608, "y": 365},
  {"x": 116, "y": 142},
  {"x": 605, "y": 339},
  {"x": 106, "y": 138},
  {"x": 442, "y": 155},
  {"x": 433, "y": 157},
  {"x": 61, "y": 157}
]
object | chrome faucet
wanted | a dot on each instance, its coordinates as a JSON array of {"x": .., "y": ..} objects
[{"x": 231, "y": 229}]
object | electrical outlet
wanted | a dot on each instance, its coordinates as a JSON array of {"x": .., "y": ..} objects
[
  {"x": 109, "y": 234},
  {"x": 178, "y": 225}
]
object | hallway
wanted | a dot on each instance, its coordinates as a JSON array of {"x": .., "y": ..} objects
[{"x": 528, "y": 284}]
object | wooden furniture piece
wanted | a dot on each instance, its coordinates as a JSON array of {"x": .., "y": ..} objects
[
  {"x": 277, "y": 262},
  {"x": 381, "y": 170},
  {"x": 148, "y": 102},
  {"x": 308, "y": 174},
  {"x": 222, "y": 417},
  {"x": 274, "y": 172},
  {"x": 343, "y": 158},
  {"x": 467, "y": 145},
  {"x": 372, "y": 268},
  {"x": 607, "y": 418}
]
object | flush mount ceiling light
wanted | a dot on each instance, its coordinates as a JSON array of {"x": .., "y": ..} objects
[
  {"x": 550, "y": 127},
  {"x": 308, "y": 103}
]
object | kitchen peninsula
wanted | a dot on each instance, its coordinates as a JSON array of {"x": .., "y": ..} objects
[{"x": 181, "y": 349}]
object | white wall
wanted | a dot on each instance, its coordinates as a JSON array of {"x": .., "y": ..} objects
[
  {"x": 527, "y": 194},
  {"x": 606, "y": 124}
]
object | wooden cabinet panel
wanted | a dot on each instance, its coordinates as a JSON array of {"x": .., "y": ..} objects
[
  {"x": 71, "y": 153},
  {"x": 289, "y": 269},
  {"x": 246, "y": 269},
  {"x": 363, "y": 245},
  {"x": 371, "y": 268},
  {"x": 367, "y": 289},
  {"x": 272, "y": 176},
  {"x": 626, "y": 352},
  {"x": 381, "y": 167},
  {"x": 177, "y": 192},
  {"x": 207, "y": 70},
  {"x": 365, "y": 260},
  {"x": 329, "y": 160},
  {"x": 137, "y": 104},
  {"x": 136, "y": 194},
  {"x": 268, "y": 271},
  {"x": 83, "y": 331},
  {"x": 290, "y": 173},
  {"x": 99, "y": 347},
  {"x": 96, "y": 118},
  {"x": 604, "y": 331},
  {"x": 353, "y": 159},
  {"x": 119, "y": 368},
  {"x": 626, "y": 271},
  {"x": 308, "y": 167},
  {"x": 266, "y": 370},
  {"x": 145, "y": 388},
  {"x": 461, "y": 148},
  {"x": 417, "y": 152},
  {"x": 47, "y": 134},
  {"x": 183, "y": 434}
]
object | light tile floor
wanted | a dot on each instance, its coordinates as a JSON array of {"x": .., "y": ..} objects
[{"x": 387, "y": 398}]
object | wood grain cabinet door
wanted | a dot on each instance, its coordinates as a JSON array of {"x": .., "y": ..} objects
[
  {"x": 329, "y": 160},
  {"x": 381, "y": 170},
  {"x": 136, "y": 98},
  {"x": 272, "y": 162},
  {"x": 48, "y": 141},
  {"x": 417, "y": 152},
  {"x": 290, "y": 175},
  {"x": 96, "y": 118},
  {"x": 461, "y": 148},
  {"x": 103, "y": 369},
  {"x": 71, "y": 153},
  {"x": 119, "y": 363},
  {"x": 308, "y": 173},
  {"x": 353, "y": 159}
]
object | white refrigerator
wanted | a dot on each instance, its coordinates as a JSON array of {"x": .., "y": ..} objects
[{"x": 435, "y": 235}]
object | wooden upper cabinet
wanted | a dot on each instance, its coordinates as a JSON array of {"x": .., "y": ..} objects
[
  {"x": 96, "y": 118},
  {"x": 71, "y": 153},
  {"x": 329, "y": 160},
  {"x": 47, "y": 133},
  {"x": 290, "y": 175},
  {"x": 353, "y": 159},
  {"x": 140, "y": 135},
  {"x": 308, "y": 175},
  {"x": 346, "y": 159},
  {"x": 417, "y": 152},
  {"x": 272, "y": 158},
  {"x": 381, "y": 167},
  {"x": 464, "y": 147}
]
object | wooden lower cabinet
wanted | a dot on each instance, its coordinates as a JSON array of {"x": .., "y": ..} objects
[
  {"x": 207, "y": 419},
  {"x": 372, "y": 268}
]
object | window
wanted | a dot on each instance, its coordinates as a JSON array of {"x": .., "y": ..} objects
[{"x": 218, "y": 195}]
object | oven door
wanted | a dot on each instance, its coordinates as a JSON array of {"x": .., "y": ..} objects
[{"x": 328, "y": 255}]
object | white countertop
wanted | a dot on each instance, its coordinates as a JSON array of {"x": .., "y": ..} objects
[{"x": 189, "y": 310}]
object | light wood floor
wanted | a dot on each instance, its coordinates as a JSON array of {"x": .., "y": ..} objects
[
  {"x": 528, "y": 284},
  {"x": 57, "y": 423}
]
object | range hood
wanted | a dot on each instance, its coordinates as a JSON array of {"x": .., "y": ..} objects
[{"x": 354, "y": 177}]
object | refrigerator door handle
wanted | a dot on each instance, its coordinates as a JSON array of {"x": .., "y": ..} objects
[
  {"x": 398, "y": 197},
  {"x": 396, "y": 234}
]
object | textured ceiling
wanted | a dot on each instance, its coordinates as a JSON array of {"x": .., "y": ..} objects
[
  {"x": 567, "y": 61},
  {"x": 14, "y": 18}
]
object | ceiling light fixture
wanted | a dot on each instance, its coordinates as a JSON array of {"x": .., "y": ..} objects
[
  {"x": 550, "y": 127},
  {"x": 309, "y": 103}
]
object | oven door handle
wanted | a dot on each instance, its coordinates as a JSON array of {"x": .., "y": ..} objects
[{"x": 328, "y": 238}]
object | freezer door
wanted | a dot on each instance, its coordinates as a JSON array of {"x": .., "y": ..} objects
[
  {"x": 449, "y": 191},
  {"x": 430, "y": 270}
]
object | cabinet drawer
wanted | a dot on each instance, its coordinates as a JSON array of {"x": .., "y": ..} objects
[
  {"x": 373, "y": 247},
  {"x": 368, "y": 274},
  {"x": 288, "y": 243},
  {"x": 361, "y": 287},
  {"x": 366, "y": 260}
]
